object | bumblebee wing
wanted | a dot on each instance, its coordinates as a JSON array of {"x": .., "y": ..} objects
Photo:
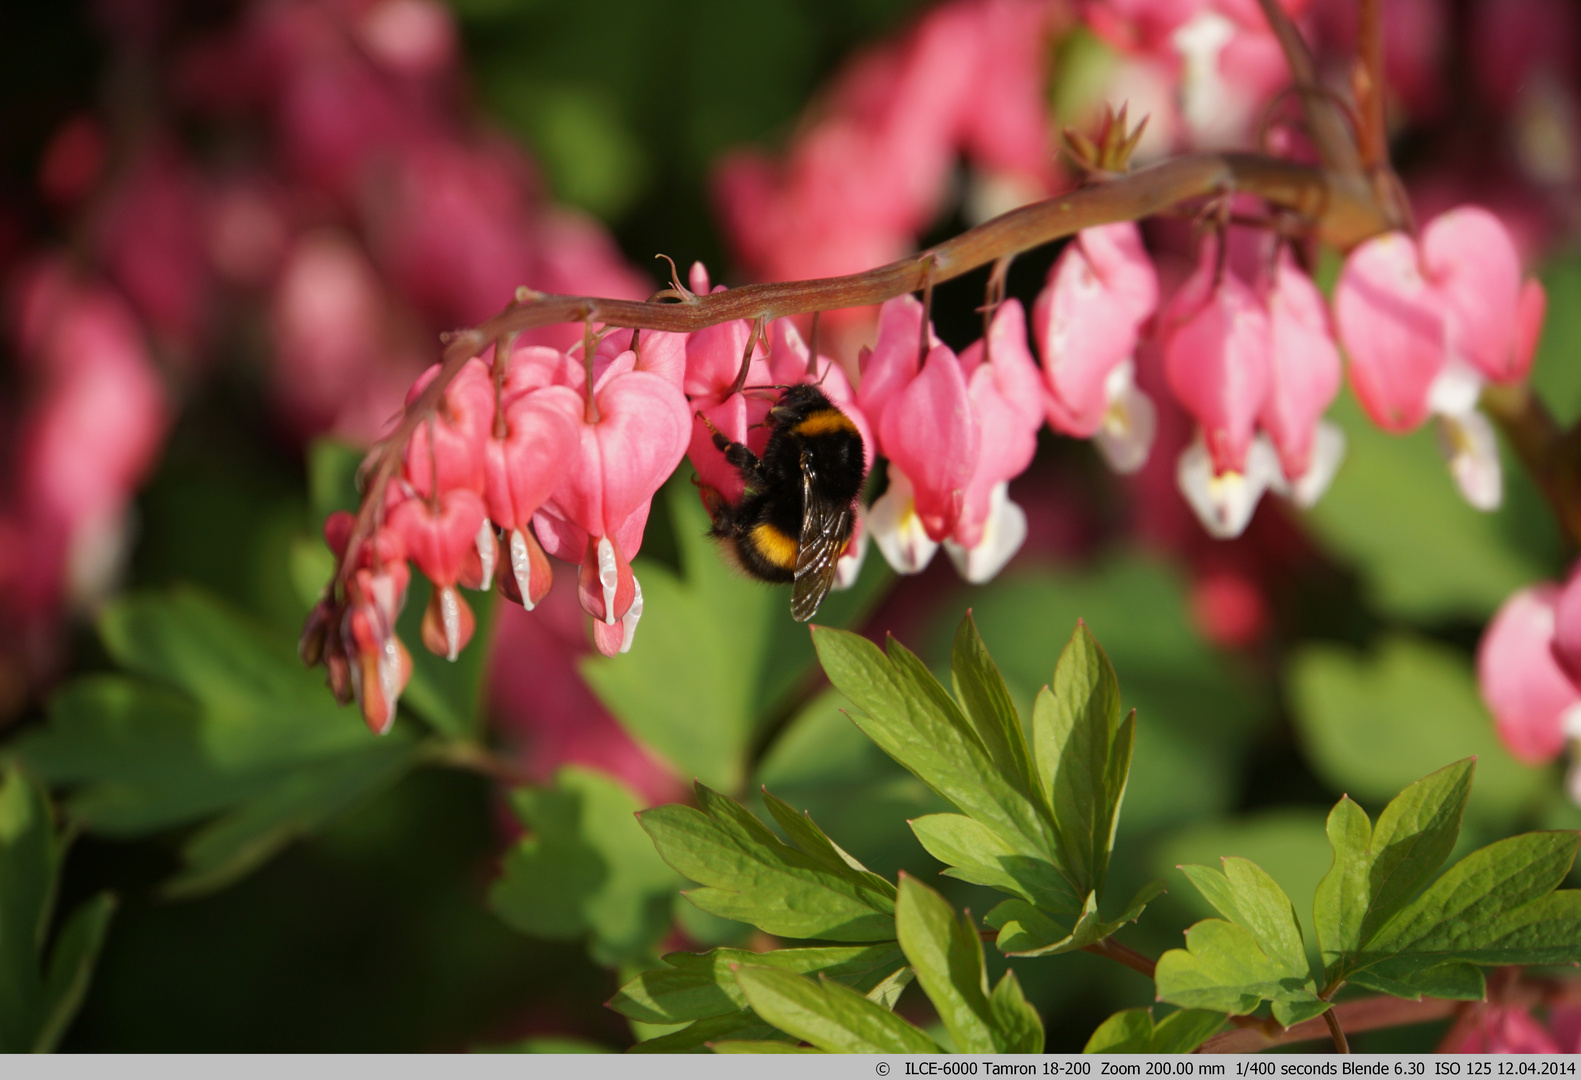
[{"x": 825, "y": 531}]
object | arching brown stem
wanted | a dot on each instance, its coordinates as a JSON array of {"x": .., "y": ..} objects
[{"x": 1341, "y": 210}]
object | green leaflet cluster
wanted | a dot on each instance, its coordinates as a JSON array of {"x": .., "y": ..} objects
[
  {"x": 1382, "y": 921},
  {"x": 1036, "y": 821}
]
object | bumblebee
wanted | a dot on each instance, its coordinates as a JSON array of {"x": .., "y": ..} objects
[{"x": 798, "y": 512}]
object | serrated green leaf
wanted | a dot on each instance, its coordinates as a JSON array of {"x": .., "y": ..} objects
[
  {"x": 814, "y": 842},
  {"x": 694, "y": 986},
  {"x": 696, "y": 1037},
  {"x": 752, "y": 876},
  {"x": 1126, "y": 1032},
  {"x": 1132, "y": 1031},
  {"x": 1345, "y": 892},
  {"x": 914, "y": 720},
  {"x": 1296, "y": 1008},
  {"x": 586, "y": 869},
  {"x": 760, "y": 1046},
  {"x": 1495, "y": 906},
  {"x": 1455, "y": 981},
  {"x": 986, "y": 702},
  {"x": 1243, "y": 893},
  {"x": 1017, "y": 1027},
  {"x": 974, "y": 853},
  {"x": 888, "y": 992},
  {"x": 944, "y": 951},
  {"x": 1183, "y": 1030},
  {"x": 1074, "y": 724},
  {"x": 1224, "y": 969},
  {"x": 1377, "y": 871},
  {"x": 828, "y": 1015},
  {"x": 1026, "y": 931}
]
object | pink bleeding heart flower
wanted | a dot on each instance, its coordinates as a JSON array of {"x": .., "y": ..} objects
[
  {"x": 1216, "y": 356},
  {"x": 628, "y": 446},
  {"x": 1005, "y": 392},
  {"x": 1492, "y": 318},
  {"x": 1532, "y": 699},
  {"x": 1304, "y": 379},
  {"x": 713, "y": 366},
  {"x": 521, "y": 468},
  {"x": 1567, "y": 627},
  {"x": 1391, "y": 321},
  {"x": 450, "y": 448},
  {"x": 930, "y": 433},
  {"x": 1087, "y": 318},
  {"x": 892, "y": 362},
  {"x": 440, "y": 539}
]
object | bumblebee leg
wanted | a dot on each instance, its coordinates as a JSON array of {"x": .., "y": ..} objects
[{"x": 739, "y": 457}]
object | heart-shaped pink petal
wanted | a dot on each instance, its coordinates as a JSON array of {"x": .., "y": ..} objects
[{"x": 1392, "y": 325}]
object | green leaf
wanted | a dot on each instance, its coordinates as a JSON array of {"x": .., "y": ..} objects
[
  {"x": 916, "y": 722},
  {"x": 586, "y": 869},
  {"x": 1182, "y": 1031},
  {"x": 1243, "y": 893},
  {"x": 1132, "y": 1031},
  {"x": 1455, "y": 981},
  {"x": 1376, "y": 872},
  {"x": 811, "y": 841},
  {"x": 1495, "y": 906},
  {"x": 1017, "y": 1027},
  {"x": 39, "y": 998},
  {"x": 694, "y": 986},
  {"x": 760, "y": 1046},
  {"x": 699, "y": 1035},
  {"x": 829, "y": 1016},
  {"x": 974, "y": 853},
  {"x": 751, "y": 876},
  {"x": 947, "y": 956},
  {"x": 1374, "y": 723},
  {"x": 986, "y": 700},
  {"x": 1394, "y": 512},
  {"x": 71, "y": 964},
  {"x": 234, "y": 844},
  {"x": 223, "y": 721},
  {"x": 1074, "y": 727},
  {"x": 1223, "y": 968},
  {"x": 1026, "y": 931},
  {"x": 703, "y": 633},
  {"x": 1196, "y": 704}
]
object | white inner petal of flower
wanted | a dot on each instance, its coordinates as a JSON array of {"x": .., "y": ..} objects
[
  {"x": 628, "y": 622},
  {"x": 1472, "y": 450},
  {"x": 1328, "y": 450},
  {"x": 608, "y": 577},
  {"x": 450, "y": 615},
  {"x": 849, "y": 568},
  {"x": 1129, "y": 424},
  {"x": 1211, "y": 110},
  {"x": 488, "y": 552},
  {"x": 1003, "y": 534},
  {"x": 1224, "y": 502},
  {"x": 896, "y": 528},
  {"x": 521, "y": 567}
]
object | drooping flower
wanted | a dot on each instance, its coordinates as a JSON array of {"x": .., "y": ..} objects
[
  {"x": 1304, "y": 378},
  {"x": 1535, "y": 704},
  {"x": 1087, "y": 319}
]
